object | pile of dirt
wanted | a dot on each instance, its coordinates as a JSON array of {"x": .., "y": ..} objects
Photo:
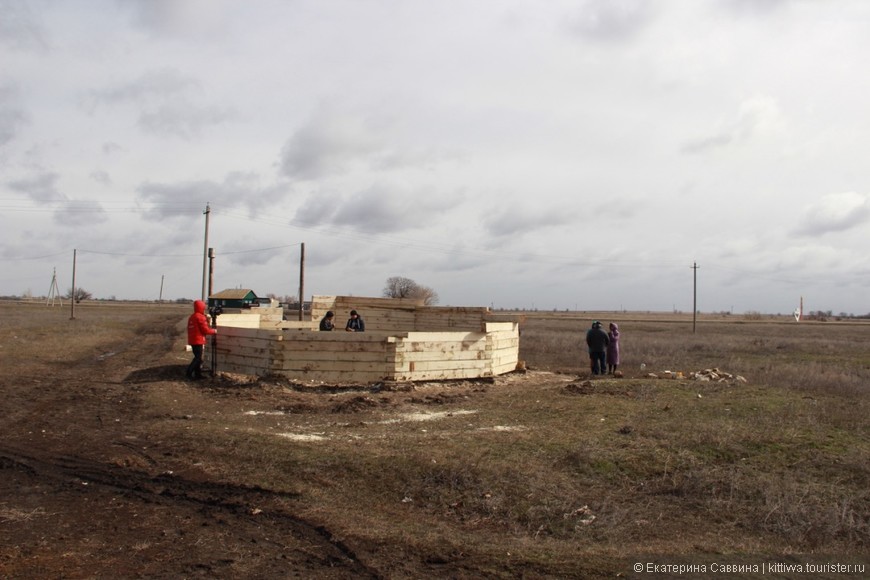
[{"x": 355, "y": 405}]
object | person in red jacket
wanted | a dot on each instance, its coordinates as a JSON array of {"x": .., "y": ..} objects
[{"x": 197, "y": 330}]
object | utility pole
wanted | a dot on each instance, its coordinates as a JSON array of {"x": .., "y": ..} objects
[
  {"x": 210, "y": 271},
  {"x": 205, "y": 251},
  {"x": 302, "y": 281},
  {"x": 160, "y": 299},
  {"x": 695, "y": 267},
  {"x": 72, "y": 302},
  {"x": 54, "y": 291}
]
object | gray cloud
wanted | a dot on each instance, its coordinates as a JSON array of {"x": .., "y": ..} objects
[
  {"x": 101, "y": 177},
  {"x": 155, "y": 15},
  {"x": 249, "y": 258},
  {"x": 182, "y": 119},
  {"x": 80, "y": 213},
  {"x": 460, "y": 260},
  {"x": 40, "y": 188},
  {"x": 158, "y": 85},
  {"x": 11, "y": 116},
  {"x": 333, "y": 143},
  {"x": 317, "y": 209},
  {"x": 835, "y": 212},
  {"x": 747, "y": 7},
  {"x": 164, "y": 99},
  {"x": 614, "y": 20},
  {"x": 20, "y": 27},
  {"x": 199, "y": 19},
  {"x": 704, "y": 144},
  {"x": 756, "y": 117},
  {"x": 381, "y": 208},
  {"x": 515, "y": 220},
  {"x": 110, "y": 147},
  {"x": 10, "y": 121},
  {"x": 328, "y": 145},
  {"x": 178, "y": 200}
]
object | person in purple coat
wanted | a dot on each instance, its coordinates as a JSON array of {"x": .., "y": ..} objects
[{"x": 613, "y": 348}]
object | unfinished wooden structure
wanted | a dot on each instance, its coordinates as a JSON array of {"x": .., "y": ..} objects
[{"x": 404, "y": 341}]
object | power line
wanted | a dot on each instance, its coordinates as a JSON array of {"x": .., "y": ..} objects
[
  {"x": 261, "y": 249},
  {"x": 32, "y": 258},
  {"x": 121, "y": 254}
]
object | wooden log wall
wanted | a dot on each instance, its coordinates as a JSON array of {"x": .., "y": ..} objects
[
  {"x": 262, "y": 317},
  {"x": 386, "y": 314},
  {"x": 246, "y": 351},
  {"x": 409, "y": 342},
  {"x": 503, "y": 346},
  {"x": 403, "y": 315}
]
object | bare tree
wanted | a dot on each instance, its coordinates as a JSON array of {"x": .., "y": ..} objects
[
  {"x": 401, "y": 287},
  {"x": 80, "y": 294},
  {"x": 427, "y": 295}
]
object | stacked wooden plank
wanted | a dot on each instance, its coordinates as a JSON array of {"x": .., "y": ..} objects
[
  {"x": 252, "y": 317},
  {"x": 335, "y": 356},
  {"x": 389, "y": 314},
  {"x": 409, "y": 342},
  {"x": 450, "y": 318},
  {"x": 441, "y": 355},
  {"x": 246, "y": 351},
  {"x": 503, "y": 346}
]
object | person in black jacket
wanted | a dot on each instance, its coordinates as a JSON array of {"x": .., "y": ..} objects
[
  {"x": 597, "y": 341},
  {"x": 355, "y": 323},
  {"x": 326, "y": 323}
]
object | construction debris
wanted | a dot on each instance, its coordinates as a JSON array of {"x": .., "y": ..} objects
[{"x": 713, "y": 375}]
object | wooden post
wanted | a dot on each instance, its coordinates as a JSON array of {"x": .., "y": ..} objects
[
  {"x": 207, "y": 212},
  {"x": 302, "y": 282},
  {"x": 694, "y": 294},
  {"x": 210, "y": 271},
  {"x": 72, "y": 303}
]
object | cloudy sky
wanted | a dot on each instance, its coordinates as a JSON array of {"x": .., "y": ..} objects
[{"x": 518, "y": 153}]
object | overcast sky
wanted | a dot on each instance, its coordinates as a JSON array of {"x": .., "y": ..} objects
[{"x": 558, "y": 154}]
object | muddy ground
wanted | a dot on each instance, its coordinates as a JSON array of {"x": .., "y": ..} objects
[
  {"x": 114, "y": 466},
  {"x": 88, "y": 489}
]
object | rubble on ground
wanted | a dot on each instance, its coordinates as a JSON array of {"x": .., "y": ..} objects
[{"x": 713, "y": 375}]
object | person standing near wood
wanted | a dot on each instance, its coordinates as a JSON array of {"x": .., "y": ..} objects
[
  {"x": 613, "y": 348},
  {"x": 197, "y": 330},
  {"x": 355, "y": 323},
  {"x": 597, "y": 341}
]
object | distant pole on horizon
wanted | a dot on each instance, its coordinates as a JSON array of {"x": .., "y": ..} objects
[
  {"x": 695, "y": 267},
  {"x": 205, "y": 252},
  {"x": 302, "y": 281},
  {"x": 160, "y": 298},
  {"x": 72, "y": 295}
]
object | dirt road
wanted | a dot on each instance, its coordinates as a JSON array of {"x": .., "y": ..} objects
[{"x": 86, "y": 492}]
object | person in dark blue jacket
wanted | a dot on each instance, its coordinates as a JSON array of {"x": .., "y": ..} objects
[
  {"x": 355, "y": 323},
  {"x": 597, "y": 341}
]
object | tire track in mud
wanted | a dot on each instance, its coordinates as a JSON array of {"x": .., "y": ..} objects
[{"x": 224, "y": 502}]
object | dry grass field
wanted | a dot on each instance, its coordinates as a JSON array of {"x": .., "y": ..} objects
[{"x": 112, "y": 465}]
